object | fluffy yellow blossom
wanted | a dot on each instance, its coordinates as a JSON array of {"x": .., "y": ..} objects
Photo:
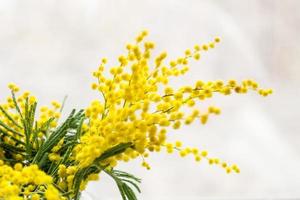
[
  {"x": 52, "y": 193},
  {"x": 14, "y": 180},
  {"x": 42, "y": 159},
  {"x": 134, "y": 110}
]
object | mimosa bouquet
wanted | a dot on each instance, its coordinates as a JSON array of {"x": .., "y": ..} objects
[{"x": 43, "y": 158}]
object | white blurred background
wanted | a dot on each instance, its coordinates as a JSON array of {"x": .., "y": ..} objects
[{"x": 51, "y": 48}]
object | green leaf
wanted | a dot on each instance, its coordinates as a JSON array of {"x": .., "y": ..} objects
[
  {"x": 80, "y": 176},
  {"x": 28, "y": 121},
  {"x": 52, "y": 171},
  {"x": 125, "y": 190},
  {"x": 79, "y": 129},
  {"x": 120, "y": 148},
  {"x": 126, "y": 175},
  {"x": 133, "y": 184},
  {"x": 72, "y": 122},
  {"x": 16, "y": 104},
  {"x": 42, "y": 162},
  {"x": 11, "y": 137},
  {"x": 9, "y": 117},
  {"x": 129, "y": 192},
  {"x": 10, "y": 129},
  {"x": 10, "y": 148}
]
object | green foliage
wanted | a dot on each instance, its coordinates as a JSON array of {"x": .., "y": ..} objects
[
  {"x": 68, "y": 127},
  {"x": 124, "y": 182}
]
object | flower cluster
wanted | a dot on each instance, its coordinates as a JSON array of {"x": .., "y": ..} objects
[
  {"x": 139, "y": 106},
  {"x": 28, "y": 182},
  {"x": 41, "y": 159}
]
